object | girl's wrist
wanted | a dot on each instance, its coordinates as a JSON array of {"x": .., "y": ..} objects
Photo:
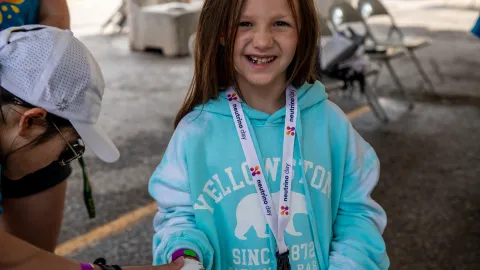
[{"x": 185, "y": 253}]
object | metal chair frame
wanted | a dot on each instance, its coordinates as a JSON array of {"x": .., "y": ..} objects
[
  {"x": 334, "y": 84},
  {"x": 377, "y": 8},
  {"x": 351, "y": 15}
]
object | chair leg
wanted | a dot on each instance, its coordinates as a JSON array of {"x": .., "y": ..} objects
[
  {"x": 120, "y": 11},
  {"x": 377, "y": 75},
  {"x": 424, "y": 74},
  {"x": 376, "y": 106},
  {"x": 436, "y": 69},
  {"x": 399, "y": 84}
]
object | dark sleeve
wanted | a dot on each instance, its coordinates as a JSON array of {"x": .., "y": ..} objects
[{"x": 36, "y": 182}]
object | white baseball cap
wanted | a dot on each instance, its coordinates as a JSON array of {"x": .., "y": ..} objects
[{"x": 51, "y": 69}]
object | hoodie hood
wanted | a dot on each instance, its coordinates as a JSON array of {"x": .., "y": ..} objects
[{"x": 308, "y": 95}]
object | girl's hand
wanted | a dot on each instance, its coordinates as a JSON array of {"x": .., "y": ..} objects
[{"x": 190, "y": 257}]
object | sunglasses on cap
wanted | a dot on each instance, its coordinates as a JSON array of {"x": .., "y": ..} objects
[{"x": 72, "y": 151}]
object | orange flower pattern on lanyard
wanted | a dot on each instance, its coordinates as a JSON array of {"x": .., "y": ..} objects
[{"x": 4, "y": 8}]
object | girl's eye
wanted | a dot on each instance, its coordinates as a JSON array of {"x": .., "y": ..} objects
[
  {"x": 281, "y": 23},
  {"x": 244, "y": 24}
]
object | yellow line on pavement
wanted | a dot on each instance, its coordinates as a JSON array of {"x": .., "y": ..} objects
[
  {"x": 128, "y": 220},
  {"x": 118, "y": 225},
  {"x": 358, "y": 112}
]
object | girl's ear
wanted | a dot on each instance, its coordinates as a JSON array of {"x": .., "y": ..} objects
[{"x": 27, "y": 120}]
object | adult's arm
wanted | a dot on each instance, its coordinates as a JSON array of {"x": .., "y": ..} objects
[
  {"x": 20, "y": 255},
  {"x": 54, "y": 13}
]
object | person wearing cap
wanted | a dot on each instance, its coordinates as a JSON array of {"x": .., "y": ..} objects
[
  {"x": 26, "y": 198},
  {"x": 51, "y": 92}
]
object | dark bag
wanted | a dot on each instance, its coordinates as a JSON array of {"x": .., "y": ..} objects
[{"x": 339, "y": 53}]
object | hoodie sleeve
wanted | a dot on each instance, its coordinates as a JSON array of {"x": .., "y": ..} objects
[
  {"x": 357, "y": 231},
  {"x": 174, "y": 222}
]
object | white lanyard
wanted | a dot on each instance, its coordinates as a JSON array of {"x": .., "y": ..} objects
[{"x": 277, "y": 218}]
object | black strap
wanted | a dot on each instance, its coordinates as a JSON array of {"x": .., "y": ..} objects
[
  {"x": 283, "y": 262},
  {"x": 103, "y": 264}
]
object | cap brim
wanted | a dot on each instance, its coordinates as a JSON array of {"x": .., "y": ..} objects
[{"x": 96, "y": 139}]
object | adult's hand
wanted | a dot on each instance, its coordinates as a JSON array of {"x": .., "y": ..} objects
[{"x": 176, "y": 265}]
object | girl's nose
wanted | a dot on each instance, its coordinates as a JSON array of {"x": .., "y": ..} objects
[{"x": 263, "y": 39}]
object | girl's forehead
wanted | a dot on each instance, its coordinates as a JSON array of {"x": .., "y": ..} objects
[{"x": 267, "y": 7}]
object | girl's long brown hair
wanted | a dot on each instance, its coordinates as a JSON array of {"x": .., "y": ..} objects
[{"x": 213, "y": 53}]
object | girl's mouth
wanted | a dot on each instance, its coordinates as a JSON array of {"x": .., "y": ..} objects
[{"x": 261, "y": 60}]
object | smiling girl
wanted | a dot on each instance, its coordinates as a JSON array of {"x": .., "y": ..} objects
[{"x": 263, "y": 172}]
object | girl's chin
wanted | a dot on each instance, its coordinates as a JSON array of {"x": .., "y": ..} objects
[{"x": 264, "y": 80}]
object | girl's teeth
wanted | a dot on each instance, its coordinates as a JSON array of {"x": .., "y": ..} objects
[{"x": 257, "y": 60}]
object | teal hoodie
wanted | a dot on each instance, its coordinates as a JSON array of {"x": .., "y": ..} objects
[{"x": 207, "y": 200}]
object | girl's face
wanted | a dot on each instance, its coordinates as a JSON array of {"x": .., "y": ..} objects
[
  {"x": 266, "y": 42},
  {"x": 26, "y": 158}
]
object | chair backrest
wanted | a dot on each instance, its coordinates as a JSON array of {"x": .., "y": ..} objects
[
  {"x": 370, "y": 8},
  {"x": 343, "y": 12}
]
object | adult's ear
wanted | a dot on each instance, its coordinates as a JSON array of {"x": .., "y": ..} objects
[{"x": 28, "y": 118}]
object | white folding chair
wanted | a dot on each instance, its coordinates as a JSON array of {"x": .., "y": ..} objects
[
  {"x": 343, "y": 15},
  {"x": 375, "y": 8},
  {"x": 332, "y": 84}
]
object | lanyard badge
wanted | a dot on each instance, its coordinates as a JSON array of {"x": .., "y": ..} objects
[{"x": 277, "y": 218}]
